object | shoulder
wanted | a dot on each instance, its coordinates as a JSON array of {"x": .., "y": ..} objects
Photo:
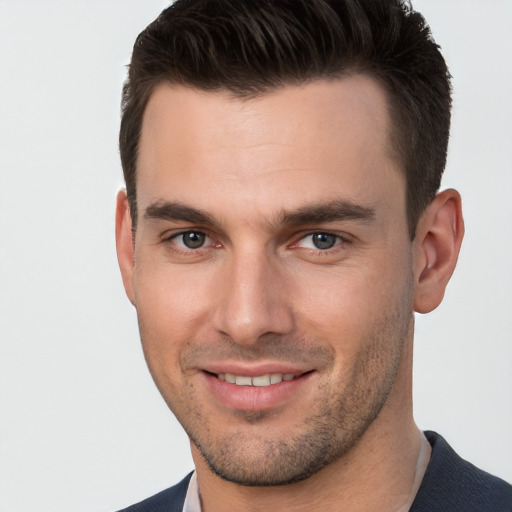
[
  {"x": 170, "y": 500},
  {"x": 451, "y": 483}
]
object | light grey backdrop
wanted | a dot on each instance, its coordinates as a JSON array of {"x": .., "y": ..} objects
[{"x": 82, "y": 427}]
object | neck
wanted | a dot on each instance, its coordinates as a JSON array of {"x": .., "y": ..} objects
[{"x": 382, "y": 472}]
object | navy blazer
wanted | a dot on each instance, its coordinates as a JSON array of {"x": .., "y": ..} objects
[
  {"x": 170, "y": 500},
  {"x": 450, "y": 484}
]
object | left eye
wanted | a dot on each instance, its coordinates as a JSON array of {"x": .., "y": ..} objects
[
  {"x": 320, "y": 241},
  {"x": 190, "y": 240}
]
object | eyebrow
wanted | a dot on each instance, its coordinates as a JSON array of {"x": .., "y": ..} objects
[
  {"x": 340, "y": 210},
  {"x": 174, "y": 211}
]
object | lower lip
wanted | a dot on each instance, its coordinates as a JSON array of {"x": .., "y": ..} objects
[{"x": 254, "y": 398}]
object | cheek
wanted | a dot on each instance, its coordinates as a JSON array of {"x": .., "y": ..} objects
[
  {"x": 171, "y": 295},
  {"x": 339, "y": 305},
  {"x": 171, "y": 310}
]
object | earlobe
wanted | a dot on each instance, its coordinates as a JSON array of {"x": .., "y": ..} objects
[
  {"x": 436, "y": 248},
  {"x": 125, "y": 244}
]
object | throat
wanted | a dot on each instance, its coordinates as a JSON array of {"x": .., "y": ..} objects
[{"x": 424, "y": 453}]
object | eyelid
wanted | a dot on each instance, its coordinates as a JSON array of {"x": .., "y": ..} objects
[
  {"x": 211, "y": 241},
  {"x": 169, "y": 234},
  {"x": 169, "y": 237},
  {"x": 342, "y": 239}
]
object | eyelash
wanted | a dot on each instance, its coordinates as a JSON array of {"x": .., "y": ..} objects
[
  {"x": 183, "y": 249},
  {"x": 339, "y": 243}
]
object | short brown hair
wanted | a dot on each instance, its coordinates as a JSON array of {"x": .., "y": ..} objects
[{"x": 252, "y": 46}]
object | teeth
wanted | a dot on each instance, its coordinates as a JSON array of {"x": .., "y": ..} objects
[
  {"x": 264, "y": 380},
  {"x": 276, "y": 378},
  {"x": 243, "y": 381},
  {"x": 259, "y": 381}
]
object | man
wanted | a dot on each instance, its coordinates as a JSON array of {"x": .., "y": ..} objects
[{"x": 281, "y": 224}]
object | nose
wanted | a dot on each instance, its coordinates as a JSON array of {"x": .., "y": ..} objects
[{"x": 252, "y": 299}]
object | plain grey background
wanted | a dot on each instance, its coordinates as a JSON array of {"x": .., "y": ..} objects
[{"x": 82, "y": 426}]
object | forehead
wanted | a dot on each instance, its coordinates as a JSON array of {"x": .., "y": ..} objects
[{"x": 324, "y": 138}]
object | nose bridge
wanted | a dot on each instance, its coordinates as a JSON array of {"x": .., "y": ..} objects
[{"x": 252, "y": 299}]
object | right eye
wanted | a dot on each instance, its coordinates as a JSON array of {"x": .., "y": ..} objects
[{"x": 190, "y": 240}]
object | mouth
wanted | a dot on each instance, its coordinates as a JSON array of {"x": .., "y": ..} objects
[
  {"x": 261, "y": 381},
  {"x": 256, "y": 392}
]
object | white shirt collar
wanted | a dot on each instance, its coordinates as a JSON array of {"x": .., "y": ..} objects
[{"x": 192, "y": 500}]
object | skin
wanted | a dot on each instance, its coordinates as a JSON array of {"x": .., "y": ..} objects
[{"x": 256, "y": 291}]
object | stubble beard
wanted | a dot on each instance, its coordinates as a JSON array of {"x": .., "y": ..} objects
[{"x": 248, "y": 457}]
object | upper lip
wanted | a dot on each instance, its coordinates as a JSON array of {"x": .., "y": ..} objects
[{"x": 255, "y": 370}]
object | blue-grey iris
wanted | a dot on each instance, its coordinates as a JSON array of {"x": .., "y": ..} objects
[
  {"x": 324, "y": 240},
  {"x": 193, "y": 239}
]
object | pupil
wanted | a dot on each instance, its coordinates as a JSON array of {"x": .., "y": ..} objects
[
  {"x": 193, "y": 240},
  {"x": 324, "y": 240}
]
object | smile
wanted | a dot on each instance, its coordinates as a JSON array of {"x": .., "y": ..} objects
[
  {"x": 258, "y": 381},
  {"x": 252, "y": 389}
]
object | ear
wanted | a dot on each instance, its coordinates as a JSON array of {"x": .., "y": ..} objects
[
  {"x": 436, "y": 248},
  {"x": 124, "y": 244}
]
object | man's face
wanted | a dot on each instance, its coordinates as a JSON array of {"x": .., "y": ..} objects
[{"x": 272, "y": 249}]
